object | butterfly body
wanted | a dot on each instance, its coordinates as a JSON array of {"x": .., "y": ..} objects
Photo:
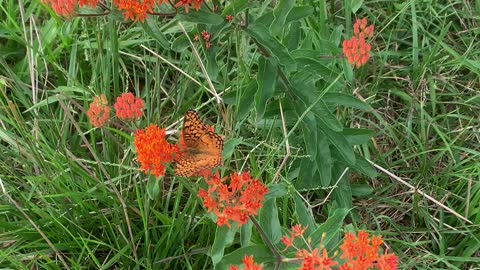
[{"x": 201, "y": 148}]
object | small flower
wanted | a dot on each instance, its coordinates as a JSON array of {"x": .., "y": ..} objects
[
  {"x": 186, "y": 3},
  {"x": 153, "y": 151},
  {"x": 128, "y": 107},
  {"x": 64, "y": 8},
  {"x": 136, "y": 10},
  {"x": 234, "y": 201},
  {"x": 248, "y": 264},
  {"x": 229, "y": 18},
  {"x": 206, "y": 36},
  {"x": 98, "y": 111}
]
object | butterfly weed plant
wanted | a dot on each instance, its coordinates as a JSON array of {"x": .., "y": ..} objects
[{"x": 191, "y": 134}]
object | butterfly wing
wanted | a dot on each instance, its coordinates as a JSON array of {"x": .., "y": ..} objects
[{"x": 203, "y": 147}]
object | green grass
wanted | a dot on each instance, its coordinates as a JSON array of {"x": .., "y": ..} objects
[{"x": 72, "y": 195}]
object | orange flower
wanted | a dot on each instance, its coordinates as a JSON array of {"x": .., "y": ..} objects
[
  {"x": 136, "y": 10},
  {"x": 356, "y": 49},
  {"x": 186, "y": 3},
  {"x": 248, "y": 264},
  {"x": 64, "y": 8},
  {"x": 153, "y": 151},
  {"x": 313, "y": 261},
  {"x": 233, "y": 202},
  {"x": 128, "y": 107},
  {"x": 98, "y": 111},
  {"x": 387, "y": 262},
  {"x": 88, "y": 3},
  {"x": 229, "y": 18}
]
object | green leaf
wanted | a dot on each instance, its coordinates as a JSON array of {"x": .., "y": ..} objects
[
  {"x": 200, "y": 17},
  {"x": 356, "y": 4},
  {"x": 342, "y": 195},
  {"x": 326, "y": 117},
  {"x": 299, "y": 12},
  {"x": 315, "y": 67},
  {"x": 280, "y": 13},
  {"x": 357, "y": 136},
  {"x": 234, "y": 7},
  {"x": 276, "y": 49},
  {"x": 330, "y": 227},
  {"x": 261, "y": 253},
  {"x": 346, "y": 100},
  {"x": 246, "y": 234},
  {"x": 268, "y": 219},
  {"x": 363, "y": 166},
  {"x": 153, "y": 188},
  {"x": 266, "y": 80},
  {"x": 341, "y": 144},
  {"x": 276, "y": 191},
  {"x": 360, "y": 190},
  {"x": 223, "y": 238},
  {"x": 180, "y": 44},
  {"x": 246, "y": 100},
  {"x": 152, "y": 30},
  {"x": 229, "y": 146},
  {"x": 309, "y": 130},
  {"x": 324, "y": 161},
  {"x": 304, "y": 216},
  {"x": 306, "y": 179}
]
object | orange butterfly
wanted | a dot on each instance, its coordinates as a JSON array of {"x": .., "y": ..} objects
[{"x": 201, "y": 148}]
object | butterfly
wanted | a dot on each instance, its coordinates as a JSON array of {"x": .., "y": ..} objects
[{"x": 201, "y": 148}]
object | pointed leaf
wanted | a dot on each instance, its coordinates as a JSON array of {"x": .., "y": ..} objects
[
  {"x": 280, "y": 13},
  {"x": 268, "y": 219}
]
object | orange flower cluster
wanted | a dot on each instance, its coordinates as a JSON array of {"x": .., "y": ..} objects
[
  {"x": 136, "y": 10},
  {"x": 357, "y": 49},
  {"x": 186, "y": 3},
  {"x": 98, "y": 112},
  {"x": 233, "y": 202},
  {"x": 128, "y": 107},
  {"x": 248, "y": 264},
  {"x": 358, "y": 253},
  {"x": 153, "y": 151}
]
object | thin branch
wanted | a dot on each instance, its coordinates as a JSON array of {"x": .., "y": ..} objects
[
  {"x": 414, "y": 189},
  {"x": 287, "y": 145},
  {"x": 278, "y": 257}
]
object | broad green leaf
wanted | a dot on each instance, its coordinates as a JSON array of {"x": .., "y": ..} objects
[
  {"x": 152, "y": 30},
  {"x": 266, "y": 80},
  {"x": 315, "y": 67},
  {"x": 309, "y": 130},
  {"x": 305, "y": 217},
  {"x": 235, "y": 7},
  {"x": 324, "y": 161},
  {"x": 276, "y": 49},
  {"x": 200, "y": 17},
  {"x": 299, "y": 12},
  {"x": 341, "y": 144},
  {"x": 280, "y": 13},
  {"x": 292, "y": 39},
  {"x": 276, "y": 191},
  {"x": 246, "y": 100},
  {"x": 342, "y": 194},
  {"x": 246, "y": 234},
  {"x": 153, "y": 188},
  {"x": 359, "y": 190},
  {"x": 180, "y": 44},
  {"x": 346, "y": 100},
  {"x": 306, "y": 177},
  {"x": 229, "y": 146},
  {"x": 261, "y": 253},
  {"x": 363, "y": 166},
  {"x": 268, "y": 219},
  {"x": 355, "y": 4},
  {"x": 223, "y": 238},
  {"x": 330, "y": 227},
  {"x": 357, "y": 136},
  {"x": 327, "y": 118}
]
